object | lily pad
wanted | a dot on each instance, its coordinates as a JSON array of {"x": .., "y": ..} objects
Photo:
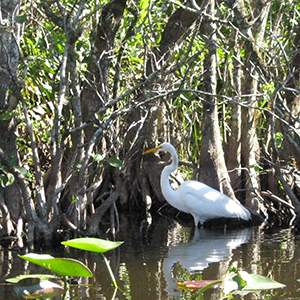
[
  {"x": 35, "y": 288},
  {"x": 243, "y": 282},
  {"x": 21, "y": 277},
  {"x": 257, "y": 282},
  {"x": 60, "y": 266},
  {"x": 92, "y": 244}
]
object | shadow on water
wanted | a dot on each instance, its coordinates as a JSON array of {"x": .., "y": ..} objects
[{"x": 149, "y": 267}]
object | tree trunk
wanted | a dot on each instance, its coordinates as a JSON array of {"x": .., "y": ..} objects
[
  {"x": 291, "y": 140},
  {"x": 250, "y": 145},
  {"x": 234, "y": 153},
  {"x": 213, "y": 170},
  {"x": 95, "y": 93},
  {"x": 153, "y": 128},
  {"x": 10, "y": 195}
]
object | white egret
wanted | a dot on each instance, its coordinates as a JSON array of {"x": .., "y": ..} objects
[{"x": 196, "y": 198}]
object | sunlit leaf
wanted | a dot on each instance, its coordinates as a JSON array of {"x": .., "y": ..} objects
[
  {"x": 60, "y": 266},
  {"x": 144, "y": 4},
  {"x": 73, "y": 199},
  {"x": 92, "y": 244},
  {"x": 34, "y": 288},
  {"x": 99, "y": 157},
  {"x": 245, "y": 282},
  {"x": 6, "y": 179},
  {"x": 10, "y": 178},
  {"x": 278, "y": 139},
  {"x": 258, "y": 282}
]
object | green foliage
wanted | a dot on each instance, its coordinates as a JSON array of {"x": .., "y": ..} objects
[
  {"x": 112, "y": 161},
  {"x": 7, "y": 115},
  {"x": 38, "y": 286},
  {"x": 235, "y": 281},
  {"x": 269, "y": 88},
  {"x": 144, "y": 5},
  {"x": 6, "y": 176},
  {"x": 278, "y": 139},
  {"x": 92, "y": 244},
  {"x": 60, "y": 266}
]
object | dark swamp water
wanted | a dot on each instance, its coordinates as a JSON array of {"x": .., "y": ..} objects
[{"x": 148, "y": 267}]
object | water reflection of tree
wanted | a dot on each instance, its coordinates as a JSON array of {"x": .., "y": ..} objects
[{"x": 273, "y": 253}]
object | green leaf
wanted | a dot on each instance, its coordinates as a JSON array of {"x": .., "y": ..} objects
[
  {"x": 278, "y": 139},
  {"x": 10, "y": 179},
  {"x": 21, "y": 18},
  {"x": 245, "y": 282},
  {"x": 144, "y": 4},
  {"x": 99, "y": 157},
  {"x": 92, "y": 244},
  {"x": 35, "y": 288},
  {"x": 258, "y": 282},
  {"x": 6, "y": 179},
  {"x": 6, "y": 115},
  {"x": 3, "y": 180},
  {"x": 114, "y": 162},
  {"x": 60, "y": 266},
  {"x": 73, "y": 199},
  {"x": 241, "y": 283},
  {"x": 22, "y": 170}
]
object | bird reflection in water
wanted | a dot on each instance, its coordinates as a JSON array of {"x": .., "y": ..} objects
[{"x": 207, "y": 246}]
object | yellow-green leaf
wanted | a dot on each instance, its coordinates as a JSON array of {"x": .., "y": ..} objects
[
  {"x": 60, "y": 266},
  {"x": 92, "y": 244}
]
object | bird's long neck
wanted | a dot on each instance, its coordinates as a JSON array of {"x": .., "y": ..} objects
[{"x": 168, "y": 192}]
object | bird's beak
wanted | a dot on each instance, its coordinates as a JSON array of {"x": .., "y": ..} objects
[{"x": 151, "y": 150}]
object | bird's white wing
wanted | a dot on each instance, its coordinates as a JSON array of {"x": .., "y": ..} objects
[{"x": 208, "y": 203}]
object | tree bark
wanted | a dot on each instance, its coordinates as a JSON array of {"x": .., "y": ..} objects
[
  {"x": 292, "y": 141},
  {"x": 11, "y": 197},
  {"x": 250, "y": 145},
  {"x": 234, "y": 153},
  {"x": 95, "y": 92},
  {"x": 213, "y": 170}
]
